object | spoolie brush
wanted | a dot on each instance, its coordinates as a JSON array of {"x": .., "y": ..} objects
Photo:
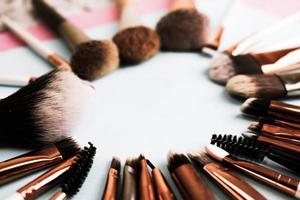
[
  {"x": 44, "y": 111},
  {"x": 264, "y": 86},
  {"x": 136, "y": 43},
  {"x": 184, "y": 28},
  {"x": 91, "y": 59}
]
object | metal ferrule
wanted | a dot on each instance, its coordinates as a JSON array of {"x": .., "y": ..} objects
[{"x": 293, "y": 89}]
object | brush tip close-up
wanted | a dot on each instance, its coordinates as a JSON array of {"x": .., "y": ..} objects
[
  {"x": 137, "y": 44},
  {"x": 183, "y": 30},
  {"x": 256, "y": 106},
  {"x": 94, "y": 59}
]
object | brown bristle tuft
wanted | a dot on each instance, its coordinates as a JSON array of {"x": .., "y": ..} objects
[
  {"x": 200, "y": 158},
  {"x": 67, "y": 147},
  {"x": 255, "y": 126},
  {"x": 183, "y": 30},
  {"x": 261, "y": 86},
  {"x": 94, "y": 59},
  {"x": 176, "y": 160},
  {"x": 256, "y": 106},
  {"x": 137, "y": 44},
  {"x": 115, "y": 164},
  {"x": 133, "y": 162}
]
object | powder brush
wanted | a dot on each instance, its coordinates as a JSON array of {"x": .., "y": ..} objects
[
  {"x": 184, "y": 28},
  {"x": 265, "y": 175},
  {"x": 91, "y": 59},
  {"x": 45, "y": 111},
  {"x": 233, "y": 185},
  {"x": 112, "y": 181},
  {"x": 264, "y": 86},
  {"x": 136, "y": 43}
]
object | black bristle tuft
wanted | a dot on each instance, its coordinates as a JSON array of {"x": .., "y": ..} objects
[
  {"x": 246, "y": 148},
  {"x": 256, "y": 126},
  {"x": 176, "y": 160},
  {"x": 67, "y": 147},
  {"x": 150, "y": 164},
  {"x": 115, "y": 164},
  {"x": 76, "y": 175},
  {"x": 256, "y": 106},
  {"x": 200, "y": 158}
]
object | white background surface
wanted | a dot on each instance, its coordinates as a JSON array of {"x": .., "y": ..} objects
[{"x": 165, "y": 103}]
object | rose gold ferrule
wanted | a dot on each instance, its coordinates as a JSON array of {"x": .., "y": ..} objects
[
  {"x": 280, "y": 144},
  {"x": 145, "y": 184},
  {"x": 111, "y": 188},
  {"x": 268, "y": 176},
  {"x": 286, "y": 124},
  {"x": 233, "y": 185},
  {"x": 45, "y": 181},
  {"x": 28, "y": 163},
  {"x": 190, "y": 184},
  {"x": 285, "y": 108},
  {"x": 163, "y": 190},
  {"x": 283, "y": 116},
  {"x": 58, "y": 62},
  {"x": 59, "y": 196},
  {"x": 281, "y": 131}
]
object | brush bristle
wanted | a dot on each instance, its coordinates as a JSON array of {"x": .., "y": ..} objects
[
  {"x": 256, "y": 106},
  {"x": 45, "y": 111},
  {"x": 261, "y": 86},
  {"x": 200, "y": 158},
  {"x": 183, "y": 30},
  {"x": 137, "y": 44},
  {"x": 115, "y": 164},
  {"x": 176, "y": 160},
  {"x": 255, "y": 126},
  {"x": 241, "y": 147},
  {"x": 76, "y": 175},
  {"x": 67, "y": 147},
  {"x": 94, "y": 59}
]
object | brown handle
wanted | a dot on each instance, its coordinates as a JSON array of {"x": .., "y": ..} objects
[
  {"x": 145, "y": 185},
  {"x": 163, "y": 190},
  {"x": 280, "y": 144}
]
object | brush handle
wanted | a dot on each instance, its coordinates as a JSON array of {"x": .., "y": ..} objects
[
  {"x": 182, "y": 4},
  {"x": 129, "y": 15},
  {"x": 146, "y": 188},
  {"x": 280, "y": 144},
  {"x": 285, "y": 159},
  {"x": 15, "y": 80},
  {"x": 163, "y": 190},
  {"x": 111, "y": 186}
]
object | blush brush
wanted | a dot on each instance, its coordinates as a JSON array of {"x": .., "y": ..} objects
[
  {"x": 91, "y": 59},
  {"x": 136, "y": 43}
]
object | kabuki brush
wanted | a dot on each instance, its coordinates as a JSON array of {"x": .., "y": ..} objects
[
  {"x": 136, "y": 43},
  {"x": 45, "y": 111},
  {"x": 145, "y": 184},
  {"x": 55, "y": 175},
  {"x": 187, "y": 179},
  {"x": 272, "y": 109},
  {"x": 36, "y": 160},
  {"x": 265, "y": 175},
  {"x": 162, "y": 188},
  {"x": 112, "y": 181},
  {"x": 254, "y": 150},
  {"x": 130, "y": 180},
  {"x": 235, "y": 187},
  {"x": 91, "y": 59},
  {"x": 184, "y": 28}
]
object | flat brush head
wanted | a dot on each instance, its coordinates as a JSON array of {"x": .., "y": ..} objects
[
  {"x": 176, "y": 160},
  {"x": 200, "y": 158},
  {"x": 115, "y": 164},
  {"x": 67, "y": 147},
  {"x": 94, "y": 59},
  {"x": 183, "y": 30},
  {"x": 261, "y": 86},
  {"x": 137, "y": 44},
  {"x": 76, "y": 175},
  {"x": 45, "y": 111},
  {"x": 256, "y": 106}
]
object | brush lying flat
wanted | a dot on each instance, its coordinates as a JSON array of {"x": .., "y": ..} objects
[{"x": 44, "y": 111}]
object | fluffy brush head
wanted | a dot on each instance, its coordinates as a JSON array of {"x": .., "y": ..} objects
[
  {"x": 67, "y": 147},
  {"x": 115, "y": 164},
  {"x": 45, "y": 111},
  {"x": 256, "y": 106},
  {"x": 94, "y": 59},
  {"x": 176, "y": 160},
  {"x": 76, "y": 175},
  {"x": 261, "y": 86},
  {"x": 183, "y": 30},
  {"x": 200, "y": 158},
  {"x": 137, "y": 44}
]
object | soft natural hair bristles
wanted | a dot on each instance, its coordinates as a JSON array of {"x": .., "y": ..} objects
[
  {"x": 45, "y": 111},
  {"x": 176, "y": 160},
  {"x": 76, "y": 175},
  {"x": 261, "y": 86},
  {"x": 115, "y": 164},
  {"x": 200, "y": 158},
  {"x": 67, "y": 147},
  {"x": 256, "y": 106},
  {"x": 183, "y": 30},
  {"x": 94, "y": 59},
  {"x": 137, "y": 44},
  {"x": 133, "y": 162}
]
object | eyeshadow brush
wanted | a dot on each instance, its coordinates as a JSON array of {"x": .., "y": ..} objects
[
  {"x": 130, "y": 180},
  {"x": 112, "y": 181}
]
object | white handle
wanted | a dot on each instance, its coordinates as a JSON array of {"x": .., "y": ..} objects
[{"x": 14, "y": 80}]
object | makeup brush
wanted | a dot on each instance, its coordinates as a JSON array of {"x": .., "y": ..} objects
[
  {"x": 112, "y": 181},
  {"x": 91, "y": 59},
  {"x": 55, "y": 175},
  {"x": 272, "y": 109},
  {"x": 163, "y": 190},
  {"x": 234, "y": 186},
  {"x": 15, "y": 80},
  {"x": 254, "y": 150},
  {"x": 136, "y": 43},
  {"x": 44, "y": 111},
  {"x": 184, "y": 28},
  {"x": 130, "y": 180},
  {"x": 36, "y": 160},
  {"x": 75, "y": 176},
  {"x": 265, "y": 175},
  {"x": 264, "y": 86},
  {"x": 187, "y": 179},
  {"x": 146, "y": 187}
]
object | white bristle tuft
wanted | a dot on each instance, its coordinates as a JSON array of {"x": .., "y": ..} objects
[{"x": 216, "y": 152}]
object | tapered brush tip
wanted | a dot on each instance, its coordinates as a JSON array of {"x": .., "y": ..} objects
[
  {"x": 200, "y": 158},
  {"x": 67, "y": 147},
  {"x": 137, "y": 44},
  {"x": 115, "y": 164},
  {"x": 175, "y": 160},
  {"x": 261, "y": 86},
  {"x": 183, "y": 30},
  {"x": 256, "y": 106},
  {"x": 94, "y": 59}
]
